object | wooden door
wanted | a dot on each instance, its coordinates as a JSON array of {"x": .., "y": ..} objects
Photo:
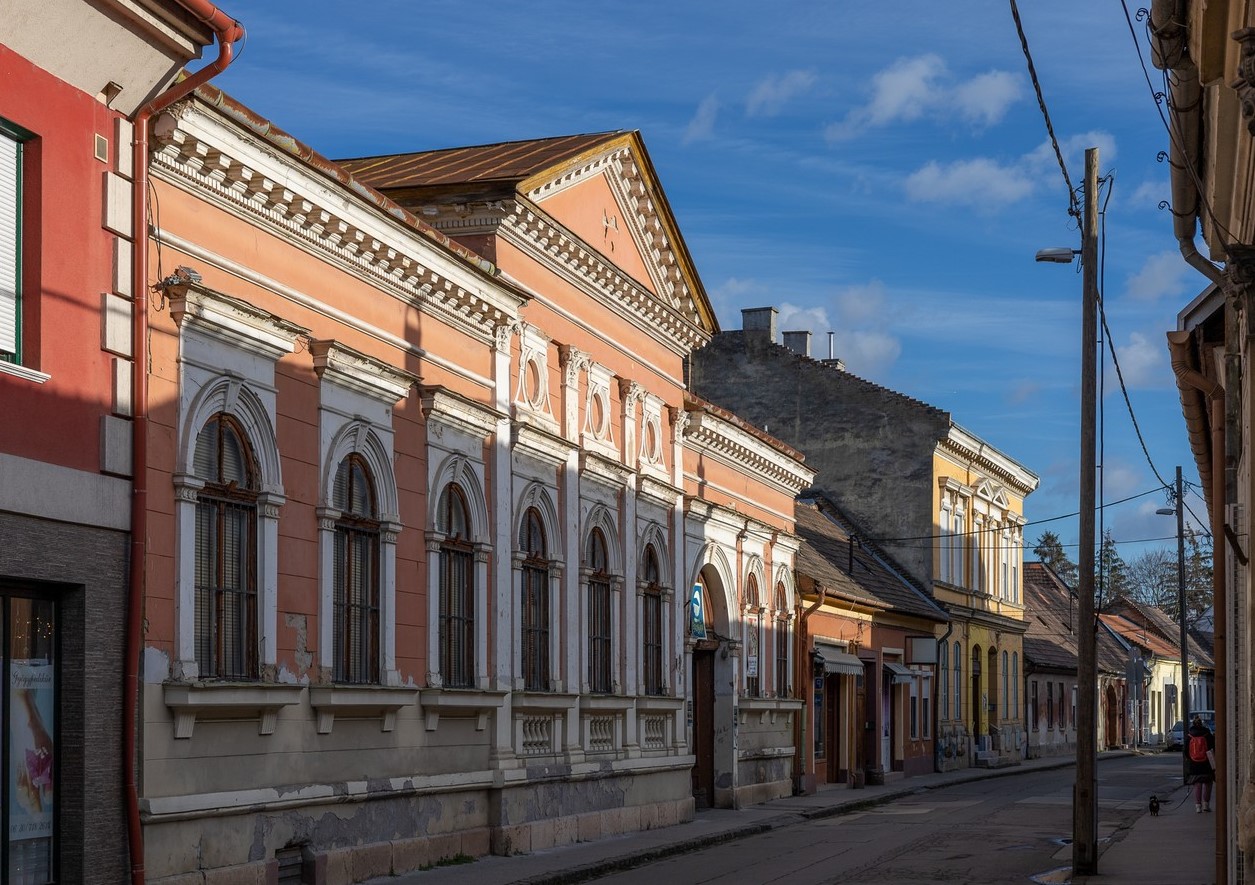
[{"x": 704, "y": 728}]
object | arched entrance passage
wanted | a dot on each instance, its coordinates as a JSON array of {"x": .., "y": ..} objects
[{"x": 713, "y": 697}]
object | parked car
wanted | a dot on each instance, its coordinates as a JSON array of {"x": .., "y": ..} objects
[{"x": 1176, "y": 734}]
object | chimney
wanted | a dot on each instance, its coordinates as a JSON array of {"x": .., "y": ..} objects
[
  {"x": 760, "y": 319},
  {"x": 798, "y": 342}
]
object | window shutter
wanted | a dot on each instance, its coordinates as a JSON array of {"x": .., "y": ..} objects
[{"x": 10, "y": 219}]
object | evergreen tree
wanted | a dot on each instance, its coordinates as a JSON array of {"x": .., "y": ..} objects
[
  {"x": 1049, "y": 551},
  {"x": 1111, "y": 577},
  {"x": 1198, "y": 574}
]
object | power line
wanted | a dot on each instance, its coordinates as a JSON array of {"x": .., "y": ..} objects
[{"x": 1074, "y": 208}]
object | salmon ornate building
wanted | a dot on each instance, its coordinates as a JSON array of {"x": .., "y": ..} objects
[{"x": 443, "y": 558}]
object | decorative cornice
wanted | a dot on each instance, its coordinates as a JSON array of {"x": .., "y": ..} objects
[
  {"x": 971, "y": 450},
  {"x": 454, "y": 410},
  {"x": 546, "y": 447},
  {"x": 232, "y": 320},
  {"x": 710, "y": 435},
  {"x": 596, "y": 466},
  {"x": 204, "y": 155},
  {"x": 353, "y": 369}
]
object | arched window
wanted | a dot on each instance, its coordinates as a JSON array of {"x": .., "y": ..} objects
[
  {"x": 782, "y": 643},
  {"x": 596, "y": 560},
  {"x": 535, "y": 602},
  {"x": 355, "y": 576},
  {"x": 753, "y": 638},
  {"x": 652, "y": 625},
  {"x": 958, "y": 681},
  {"x": 943, "y": 667},
  {"x": 226, "y": 552},
  {"x": 457, "y": 590}
]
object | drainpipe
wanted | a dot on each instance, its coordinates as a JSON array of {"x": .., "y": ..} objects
[
  {"x": 804, "y": 679},
  {"x": 227, "y": 31},
  {"x": 1178, "y": 343},
  {"x": 1170, "y": 52}
]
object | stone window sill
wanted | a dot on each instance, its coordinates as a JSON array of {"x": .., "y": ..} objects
[
  {"x": 228, "y": 700},
  {"x": 359, "y": 702}
]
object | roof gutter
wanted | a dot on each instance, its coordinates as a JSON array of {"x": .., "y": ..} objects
[
  {"x": 227, "y": 31},
  {"x": 1170, "y": 52}
]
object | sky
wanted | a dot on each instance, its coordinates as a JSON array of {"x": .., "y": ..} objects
[{"x": 879, "y": 171}]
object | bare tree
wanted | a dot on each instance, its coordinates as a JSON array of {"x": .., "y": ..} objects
[{"x": 1152, "y": 578}]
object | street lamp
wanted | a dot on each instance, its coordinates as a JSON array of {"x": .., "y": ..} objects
[
  {"x": 1179, "y": 510},
  {"x": 1085, "y": 792}
]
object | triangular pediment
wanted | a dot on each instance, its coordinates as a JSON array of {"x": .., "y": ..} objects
[{"x": 610, "y": 197}]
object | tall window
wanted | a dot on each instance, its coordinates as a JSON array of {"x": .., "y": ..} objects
[
  {"x": 944, "y": 544},
  {"x": 960, "y": 544},
  {"x": 1015, "y": 680},
  {"x": 652, "y": 626},
  {"x": 1063, "y": 712},
  {"x": 535, "y": 603},
  {"x": 10, "y": 248},
  {"x": 1033, "y": 712},
  {"x": 1050, "y": 705},
  {"x": 753, "y": 638},
  {"x": 926, "y": 705},
  {"x": 457, "y": 591},
  {"x": 943, "y": 667},
  {"x": 958, "y": 682},
  {"x": 913, "y": 689},
  {"x": 600, "y": 677},
  {"x": 226, "y": 552},
  {"x": 782, "y": 643},
  {"x": 1008, "y": 711},
  {"x": 355, "y": 591}
]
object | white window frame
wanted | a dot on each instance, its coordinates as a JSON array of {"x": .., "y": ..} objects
[{"x": 11, "y": 152}]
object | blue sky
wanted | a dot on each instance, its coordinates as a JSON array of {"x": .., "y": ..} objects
[{"x": 881, "y": 171}]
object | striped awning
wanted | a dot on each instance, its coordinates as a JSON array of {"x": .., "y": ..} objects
[{"x": 836, "y": 659}]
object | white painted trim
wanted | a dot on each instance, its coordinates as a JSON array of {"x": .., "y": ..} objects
[{"x": 194, "y": 250}]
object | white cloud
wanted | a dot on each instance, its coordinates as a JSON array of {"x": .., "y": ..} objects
[
  {"x": 794, "y": 318},
  {"x": 1149, "y": 194},
  {"x": 1141, "y": 360},
  {"x": 984, "y": 99},
  {"x": 1163, "y": 274},
  {"x": 922, "y": 87},
  {"x": 861, "y": 304},
  {"x": 867, "y": 353},
  {"x": 980, "y": 183},
  {"x": 773, "y": 92},
  {"x": 904, "y": 90},
  {"x": 703, "y": 122}
]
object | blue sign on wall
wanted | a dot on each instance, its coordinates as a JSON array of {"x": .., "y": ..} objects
[{"x": 697, "y": 614}]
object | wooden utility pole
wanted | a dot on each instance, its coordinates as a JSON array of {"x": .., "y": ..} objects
[{"x": 1085, "y": 792}]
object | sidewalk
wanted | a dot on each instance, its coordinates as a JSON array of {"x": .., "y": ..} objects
[{"x": 1175, "y": 847}]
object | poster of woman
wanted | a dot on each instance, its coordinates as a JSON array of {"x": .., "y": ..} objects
[{"x": 31, "y": 710}]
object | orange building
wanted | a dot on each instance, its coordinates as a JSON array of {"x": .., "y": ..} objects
[{"x": 430, "y": 509}]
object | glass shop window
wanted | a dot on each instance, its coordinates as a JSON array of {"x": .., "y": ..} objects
[{"x": 29, "y": 747}]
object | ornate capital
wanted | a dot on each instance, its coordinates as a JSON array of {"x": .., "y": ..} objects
[
  {"x": 631, "y": 392},
  {"x": 504, "y": 334},
  {"x": 1244, "y": 83},
  {"x": 573, "y": 361},
  {"x": 679, "y": 420}
]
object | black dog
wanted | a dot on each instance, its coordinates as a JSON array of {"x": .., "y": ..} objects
[{"x": 1154, "y": 806}]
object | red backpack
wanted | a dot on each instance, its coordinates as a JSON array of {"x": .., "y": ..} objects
[{"x": 1198, "y": 747}]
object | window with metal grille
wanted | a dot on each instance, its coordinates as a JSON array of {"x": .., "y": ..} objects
[
  {"x": 782, "y": 643},
  {"x": 226, "y": 552},
  {"x": 355, "y": 594},
  {"x": 457, "y": 591},
  {"x": 753, "y": 638},
  {"x": 600, "y": 675},
  {"x": 535, "y": 603},
  {"x": 652, "y": 626}
]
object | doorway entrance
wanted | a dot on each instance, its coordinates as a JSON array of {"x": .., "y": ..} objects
[{"x": 704, "y": 724}]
